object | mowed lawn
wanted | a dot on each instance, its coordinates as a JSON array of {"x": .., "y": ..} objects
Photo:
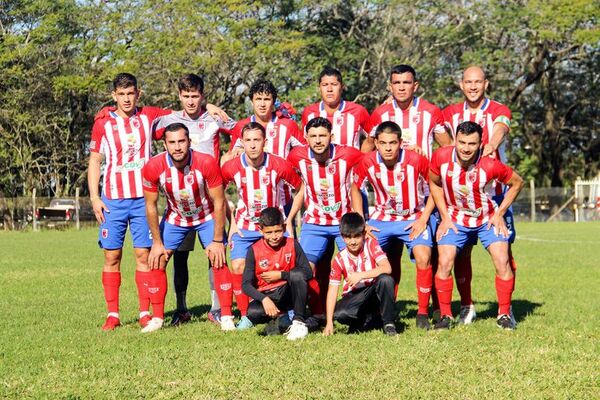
[{"x": 51, "y": 345}]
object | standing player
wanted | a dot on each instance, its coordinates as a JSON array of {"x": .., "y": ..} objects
[
  {"x": 204, "y": 135},
  {"x": 398, "y": 176},
  {"x": 276, "y": 275},
  {"x": 122, "y": 139},
  {"x": 259, "y": 177},
  {"x": 459, "y": 181},
  {"x": 193, "y": 187},
  {"x": 368, "y": 286},
  {"x": 494, "y": 119},
  {"x": 326, "y": 171}
]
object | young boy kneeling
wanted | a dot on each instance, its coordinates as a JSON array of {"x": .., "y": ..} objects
[
  {"x": 368, "y": 286},
  {"x": 276, "y": 275}
]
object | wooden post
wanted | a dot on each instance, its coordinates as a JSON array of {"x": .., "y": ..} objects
[
  {"x": 34, "y": 209},
  {"x": 77, "y": 209},
  {"x": 532, "y": 198}
]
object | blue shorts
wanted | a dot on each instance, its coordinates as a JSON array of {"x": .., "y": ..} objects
[
  {"x": 124, "y": 212},
  {"x": 173, "y": 235},
  {"x": 240, "y": 245},
  {"x": 396, "y": 229},
  {"x": 508, "y": 220},
  {"x": 467, "y": 236},
  {"x": 315, "y": 238}
]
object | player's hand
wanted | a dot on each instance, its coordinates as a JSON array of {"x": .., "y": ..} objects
[
  {"x": 215, "y": 252},
  {"x": 271, "y": 276},
  {"x": 488, "y": 150},
  {"x": 353, "y": 278},
  {"x": 444, "y": 227},
  {"x": 370, "y": 229},
  {"x": 328, "y": 331},
  {"x": 289, "y": 227},
  {"x": 270, "y": 308},
  {"x": 416, "y": 149},
  {"x": 217, "y": 112},
  {"x": 156, "y": 252},
  {"x": 500, "y": 228},
  {"x": 99, "y": 208},
  {"x": 416, "y": 228},
  {"x": 233, "y": 229}
]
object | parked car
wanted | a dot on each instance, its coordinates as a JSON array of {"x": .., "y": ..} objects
[{"x": 62, "y": 212}]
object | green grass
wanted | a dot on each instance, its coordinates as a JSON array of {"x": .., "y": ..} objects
[{"x": 51, "y": 345}]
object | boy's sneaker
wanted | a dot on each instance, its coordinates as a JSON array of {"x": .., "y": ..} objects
[
  {"x": 154, "y": 325},
  {"x": 313, "y": 323},
  {"x": 111, "y": 323},
  {"x": 272, "y": 328},
  {"x": 244, "y": 323},
  {"x": 467, "y": 315},
  {"x": 444, "y": 323},
  {"x": 390, "y": 329},
  {"x": 181, "y": 317},
  {"x": 227, "y": 323},
  {"x": 284, "y": 322},
  {"x": 504, "y": 321},
  {"x": 214, "y": 316},
  {"x": 145, "y": 320},
  {"x": 297, "y": 330},
  {"x": 423, "y": 322}
]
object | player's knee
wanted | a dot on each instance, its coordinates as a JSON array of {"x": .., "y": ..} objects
[
  {"x": 342, "y": 316},
  {"x": 385, "y": 281},
  {"x": 237, "y": 266}
]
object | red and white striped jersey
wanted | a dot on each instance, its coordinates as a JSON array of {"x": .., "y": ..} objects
[
  {"x": 467, "y": 192},
  {"x": 188, "y": 199},
  {"x": 348, "y": 122},
  {"x": 327, "y": 186},
  {"x": 204, "y": 130},
  {"x": 418, "y": 123},
  {"x": 399, "y": 191},
  {"x": 125, "y": 144},
  {"x": 282, "y": 135},
  {"x": 258, "y": 188},
  {"x": 489, "y": 114},
  {"x": 345, "y": 263}
]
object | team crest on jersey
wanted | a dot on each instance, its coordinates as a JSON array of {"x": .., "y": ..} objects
[
  {"x": 481, "y": 120},
  {"x": 288, "y": 257},
  {"x": 104, "y": 233},
  {"x": 417, "y": 118},
  {"x": 331, "y": 169},
  {"x": 400, "y": 175},
  {"x": 135, "y": 122},
  {"x": 271, "y": 133},
  {"x": 263, "y": 264},
  {"x": 244, "y": 180},
  {"x": 201, "y": 125},
  {"x": 472, "y": 176},
  {"x": 265, "y": 180},
  {"x": 189, "y": 179},
  {"x": 339, "y": 120}
]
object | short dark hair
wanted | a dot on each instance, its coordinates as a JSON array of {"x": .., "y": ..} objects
[
  {"x": 319, "y": 122},
  {"x": 124, "y": 80},
  {"x": 270, "y": 216},
  {"x": 174, "y": 127},
  {"x": 403, "y": 68},
  {"x": 263, "y": 86},
  {"x": 330, "y": 71},
  {"x": 352, "y": 224},
  {"x": 388, "y": 127},
  {"x": 250, "y": 126},
  {"x": 468, "y": 128},
  {"x": 190, "y": 82}
]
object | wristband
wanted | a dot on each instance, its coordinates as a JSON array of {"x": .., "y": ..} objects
[{"x": 218, "y": 241}]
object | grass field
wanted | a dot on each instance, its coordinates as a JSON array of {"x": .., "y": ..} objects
[{"x": 51, "y": 345}]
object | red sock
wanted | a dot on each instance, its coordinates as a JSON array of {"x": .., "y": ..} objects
[
  {"x": 444, "y": 292},
  {"x": 111, "y": 281},
  {"x": 424, "y": 284},
  {"x": 157, "y": 289},
  {"x": 241, "y": 298},
  {"x": 435, "y": 304},
  {"x": 141, "y": 280},
  {"x": 463, "y": 273},
  {"x": 314, "y": 297},
  {"x": 222, "y": 279},
  {"x": 504, "y": 290}
]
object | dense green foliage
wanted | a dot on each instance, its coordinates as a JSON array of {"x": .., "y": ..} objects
[
  {"x": 51, "y": 344},
  {"x": 57, "y": 60}
]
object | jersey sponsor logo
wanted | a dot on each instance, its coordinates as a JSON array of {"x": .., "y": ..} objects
[
  {"x": 189, "y": 179},
  {"x": 417, "y": 117},
  {"x": 133, "y": 165},
  {"x": 265, "y": 180},
  {"x": 473, "y": 213},
  {"x": 332, "y": 208},
  {"x": 258, "y": 194},
  {"x": 324, "y": 184},
  {"x": 331, "y": 169},
  {"x": 132, "y": 145},
  {"x": 104, "y": 233},
  {"x": 263, "y": 264},
  {"x": 392, "y": 191},
  {"x": 190, "y": 213},
  {"x": 464, "y": 190}
]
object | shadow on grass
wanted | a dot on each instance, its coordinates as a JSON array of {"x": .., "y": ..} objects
[
  {"x": 521, "y": 309},
  {"x": 198, "y": 312}
]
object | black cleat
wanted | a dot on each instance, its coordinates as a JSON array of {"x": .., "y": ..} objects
[
  {"x": 181, "y": 317},
  {"x": 444, "y": 323},
  {"x": 423, "y": 322},
  {"x": 504, "y": 321},
  {"x": 272, "y": 328},
  {"x": 390, "y": 329}
]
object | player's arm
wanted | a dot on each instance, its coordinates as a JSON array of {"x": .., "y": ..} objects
[
  {"x": 332, "y": 292},
  {"x": 94, "y": 165},
  {"x": 437, "y": 192},
  {"x": 158, "y": 249},
  {"x": 442, "y": 136},
  {"x": 296, "y": 207},
  {"x": 356, "y": 198},
  {"x": 368, "y": 144},
  {"x": 420, "y": 224},
  {"x": 515, "y": 184},
  {"x": 499, "y": 132},
  {"x": 383, "y": 267},
  {"x": 216, "y": 250}
]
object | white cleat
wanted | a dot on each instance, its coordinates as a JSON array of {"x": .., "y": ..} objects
[
  {"x": 153, "y": 325},
  {"x": 298, "y": 330},
  {"x": 227, "y": 323},
  {"x": 467, "y": 315}
]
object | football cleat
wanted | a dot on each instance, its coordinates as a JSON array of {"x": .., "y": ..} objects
[
  {"x": 272, "y": 328},
  {"x": 423, "y": 322},
  {"x": 504, "y": 321},
  {"x": 390, "y": 329},
  {"x": 154, "y": 325},
  {"x": 181, "y": 317},
  {"x": 444, "y": 323},
  {"x": 244, "y": 323},
  {"x": 227, "y": 323},
  {"x": 436, "y": 316},
  {"x": 111, "y": 323},
  {"x": 144, "y": 320},
  {"x": 298, "y": 330},
  {"x": 214, "y": 316},
  {"x": 467, "y": 315}
]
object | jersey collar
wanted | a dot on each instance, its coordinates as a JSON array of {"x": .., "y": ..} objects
[
  {"x": 187, "y": 166},
  {"x": 340, "y": 107},
  {"x": 400, "y": 157},
  {"x": 484, "y": 106},
  {"x": 415, "y": 103},
  {"x": 245, "y": 162}
]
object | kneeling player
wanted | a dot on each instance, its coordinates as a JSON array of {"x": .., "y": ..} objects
[
  {"x": 368, "y": 286},
  {"x": 276, "y": 275}
]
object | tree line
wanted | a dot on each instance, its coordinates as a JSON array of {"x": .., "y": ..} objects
[{"x": 57, "y": 60}]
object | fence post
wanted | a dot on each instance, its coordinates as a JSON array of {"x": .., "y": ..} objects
[
  {"x": 532, "y": 198},
  {"x": 576, "y": 194},
  {"x": 77, "y": 208},
  {"x": 34, "y": 209}
]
